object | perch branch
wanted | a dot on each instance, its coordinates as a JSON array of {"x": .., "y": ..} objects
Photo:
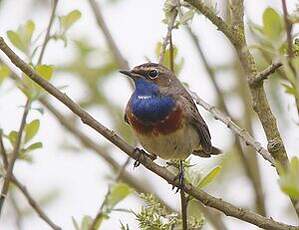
[{"x": 205, "y": 198}]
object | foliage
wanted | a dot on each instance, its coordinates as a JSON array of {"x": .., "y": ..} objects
[
  {"x": 155, "y": 216},
  {"x": 288, "y": 181}
]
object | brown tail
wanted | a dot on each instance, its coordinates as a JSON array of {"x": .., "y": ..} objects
[{"x": 202, "y": 153}]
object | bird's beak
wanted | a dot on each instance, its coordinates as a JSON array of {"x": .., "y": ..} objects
[{"x": 126, "y": 72}]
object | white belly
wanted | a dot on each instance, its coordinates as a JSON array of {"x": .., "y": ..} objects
[{"x": 178, "y": 145}]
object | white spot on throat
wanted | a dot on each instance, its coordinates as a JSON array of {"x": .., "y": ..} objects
[{"x": 144, "y": 97}]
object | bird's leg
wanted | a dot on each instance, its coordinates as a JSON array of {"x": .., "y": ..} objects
[
  {"x": 180, "y": 177},
  {"x": 141, "y": 154}
]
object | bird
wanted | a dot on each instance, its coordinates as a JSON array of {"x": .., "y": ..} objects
[{"x": 164, "y": 117}]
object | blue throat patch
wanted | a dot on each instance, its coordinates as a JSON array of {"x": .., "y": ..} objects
[{"x": 148, "y": 104}]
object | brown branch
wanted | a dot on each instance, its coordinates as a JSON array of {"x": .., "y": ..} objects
[
  {"x": 263, "y": 75},
  {"x": 34, "y": 204},
  {"x": 109, "y": 39},
  {"x": 242, "y": 133},
  {"x": 205, "y": 198},
  {"x": 289, "y": 28},
  {"x": 3, "y": 151},
  {"x": 260, "y": 102},
  {"x": 47, "y": 37},
  {"x": 16, "y": 149},
  {"x": 255, "y": 180}
]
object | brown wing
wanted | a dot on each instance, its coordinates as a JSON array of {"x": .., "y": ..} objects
[{"x": 196, "y": 119}]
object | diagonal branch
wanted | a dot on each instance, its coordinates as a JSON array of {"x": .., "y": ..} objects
[
  {"x": 205, "y": 198},
  {"x": 16, "y": 149},
  {"x": 34, "y": 204},
  {"x": 109, "y": 39}
]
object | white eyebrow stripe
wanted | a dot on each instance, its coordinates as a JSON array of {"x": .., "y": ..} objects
[{"x": 144, "y": 97}]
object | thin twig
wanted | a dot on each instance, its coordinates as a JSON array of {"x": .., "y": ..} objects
[
  {"x": 47, "y": 37},
  {"x": 263, "y": 75},
  {"x": 242, "y": 133},
  {"x": 205, "y": 198},
  {"x": 260, "y": 203},
  {"x": 34, "y": 204},
  {"x": 109, "y": 39},
  {"x": 99, "y": 215},
  {"x": 289, "y": 28},
  {"x": 14, "y": 156},
  {"x": 168, "y": 35},
  {"x": 3, "y": 151}
]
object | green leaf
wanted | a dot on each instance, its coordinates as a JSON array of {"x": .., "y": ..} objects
[
  {"x": 86, "y": 223},
  {"x": 12, "y": 137},
  {"x": 273, "y": 24},
  {"x": 209, "y": 178},
  {"x": 45, "y": 71},
  {"x": 15, "y": 39},
  {"x": 118, "y": 192},
  {"x": 21, "y": 38},
  {"x": 4, "y": 73},
  {"x": 34, "y": 146},
  {"x": 288, "y": 181},
  {"x": 289, "y": 89},
  {"x": 67, "y": 21},
  {"x": 27, "y": 31},
  {"x": 31, "y": 130}
]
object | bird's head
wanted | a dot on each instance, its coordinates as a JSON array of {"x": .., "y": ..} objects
[{"x": 150, "y": 73}]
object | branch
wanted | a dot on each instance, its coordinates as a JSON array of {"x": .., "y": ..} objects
[
  {"x": 123, "y": 64},
  {"x": 168, "y": 36},
  {"x": 205, "y": 198},
  {"x": 216, "y": 20},
  {"x": 242, "y": 133},
  {"x": 34, "y": 204},
  {"x": 260, "y": 102},
  {"x": 247, "y": 164},
  {"x": 47, "y": 37},
  {"x": 16, "y": 149},
  {"x": 289, "y": 27},
  {"x": 263, "y": 75}
]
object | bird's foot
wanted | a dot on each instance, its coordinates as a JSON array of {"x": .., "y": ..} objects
[
  {"x": 180, "y": 177},
  {"x": 141, "y": 155}
]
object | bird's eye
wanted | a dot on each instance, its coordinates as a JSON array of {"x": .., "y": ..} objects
[{"x": 153, "y": 74}]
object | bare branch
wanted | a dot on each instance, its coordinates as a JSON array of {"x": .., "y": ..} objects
[
  {"x": 16, "y": 149},
  {"x": 242, "y": 133},
  {"x": 34, "y": 204},
  {"x": 47, "y": 37},
  {"x": 205, "y": 198},
  {"x": 263, "y": 75},
  {"x": 109, "y": 39}
]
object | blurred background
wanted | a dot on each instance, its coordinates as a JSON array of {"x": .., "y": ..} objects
[{"x": 70, "y": 180}]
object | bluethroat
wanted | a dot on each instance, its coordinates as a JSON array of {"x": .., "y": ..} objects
[{"x": 164, "y": 117}]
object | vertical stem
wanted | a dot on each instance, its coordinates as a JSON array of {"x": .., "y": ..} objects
[
  {"x": 47, "y": 37},
  {"x": 184, "y": 203}
]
